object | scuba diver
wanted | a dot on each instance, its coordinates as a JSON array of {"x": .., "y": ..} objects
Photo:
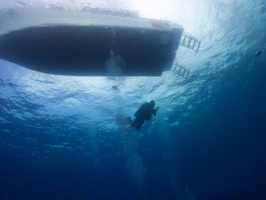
[{"x": 145, "y": 112}]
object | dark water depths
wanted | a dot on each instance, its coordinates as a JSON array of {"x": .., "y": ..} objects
[{"x": 62, "y": 137}]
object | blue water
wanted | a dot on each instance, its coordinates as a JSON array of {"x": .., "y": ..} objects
[{"x": 62, "y": 137}]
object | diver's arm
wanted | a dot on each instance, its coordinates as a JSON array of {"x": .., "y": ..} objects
[{"x": 155, "y": 110}]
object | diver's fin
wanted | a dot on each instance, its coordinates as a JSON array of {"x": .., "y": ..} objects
[{"x": 126, "y": 120}]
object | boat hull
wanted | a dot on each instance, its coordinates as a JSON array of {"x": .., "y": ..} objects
[{"x": 92, "y": 50}]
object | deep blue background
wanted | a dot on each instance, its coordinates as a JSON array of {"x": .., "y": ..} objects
[
  {"x": 219, "y": 155},
  {"x": 60, "y": 138}
]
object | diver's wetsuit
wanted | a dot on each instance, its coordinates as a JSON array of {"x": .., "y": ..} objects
[{"x": 145, "y": 112}]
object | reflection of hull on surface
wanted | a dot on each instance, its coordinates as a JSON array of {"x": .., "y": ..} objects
[{"x": 72, "y": 43}]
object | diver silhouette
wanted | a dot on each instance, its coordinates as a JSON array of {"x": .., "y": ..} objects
[{"x": 144, "y": 112}]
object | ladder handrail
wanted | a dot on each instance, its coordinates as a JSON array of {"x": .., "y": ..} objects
[
  {"x": 180, "y": 70},
  {"x": 195, "y": 46}
]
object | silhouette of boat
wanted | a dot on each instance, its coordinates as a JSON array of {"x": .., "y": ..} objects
[{"x": 87, "y": 43}]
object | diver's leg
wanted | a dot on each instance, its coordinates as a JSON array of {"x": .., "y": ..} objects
[
  {"x": 139, "y": 125},
  {"x": 133, "y": 124}
]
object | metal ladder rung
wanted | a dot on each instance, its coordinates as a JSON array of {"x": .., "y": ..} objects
[{"x": 194, "y": 42}]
